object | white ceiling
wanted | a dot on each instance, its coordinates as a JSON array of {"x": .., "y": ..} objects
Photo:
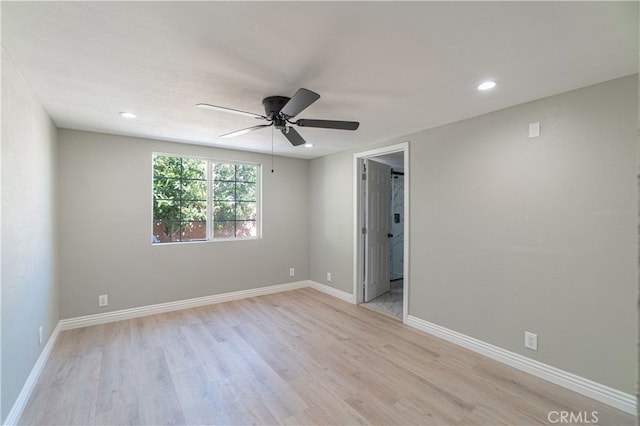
[{"x": 397, "y": 67}]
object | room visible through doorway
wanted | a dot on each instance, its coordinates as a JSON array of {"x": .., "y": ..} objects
[
  {"x": 391, "y": 301},
  {"x": 381, "y": 281}
]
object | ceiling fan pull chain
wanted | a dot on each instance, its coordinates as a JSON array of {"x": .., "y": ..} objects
[{"x": 271, "y": 149}]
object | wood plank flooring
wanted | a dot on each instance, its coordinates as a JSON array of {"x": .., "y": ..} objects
[{"x": 297, "y": 358}]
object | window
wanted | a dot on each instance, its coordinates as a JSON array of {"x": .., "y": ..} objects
[
  {"x": 195, "y": 199},
  {"x": 234, "y": 200}
]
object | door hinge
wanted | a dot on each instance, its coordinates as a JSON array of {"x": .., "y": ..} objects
[{"x": 364, "y": 230}]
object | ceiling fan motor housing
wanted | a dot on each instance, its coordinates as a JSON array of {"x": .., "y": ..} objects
[{"x": 273, "y": 105}]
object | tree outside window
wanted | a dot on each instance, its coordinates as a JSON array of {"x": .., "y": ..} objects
[
  {"x": 188, "y": 206},
  {"x": 234, "y": 200}
]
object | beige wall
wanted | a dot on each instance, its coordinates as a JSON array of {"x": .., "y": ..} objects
[
  {"x": 105, "y": 228},
  {"x": 511, "y": 234},
  {"x": 29, "y": 290}
]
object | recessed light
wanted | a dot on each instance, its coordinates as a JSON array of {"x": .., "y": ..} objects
[
  {"x": 127, "y": 114},
  {"x": 486, "y": 85},
  {"x": 308, "y": 145}
]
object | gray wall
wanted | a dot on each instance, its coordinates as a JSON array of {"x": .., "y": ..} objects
[
  {"x": 511, "y": 234},
  {"x": 105, "y": 228},
  {"x": 331, "y": 219},
  {"x": 29, "y": 289}
]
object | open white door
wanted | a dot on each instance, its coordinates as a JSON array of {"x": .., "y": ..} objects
[{"x": 377, "y": 223}]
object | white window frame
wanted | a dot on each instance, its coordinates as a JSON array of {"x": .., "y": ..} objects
[{"x": 211, "y": 162}]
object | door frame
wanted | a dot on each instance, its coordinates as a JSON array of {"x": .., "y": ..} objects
[{"x": 358, "y": 240}]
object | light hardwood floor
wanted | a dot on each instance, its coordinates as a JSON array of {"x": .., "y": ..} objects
[{"x": 299, "y": 357}]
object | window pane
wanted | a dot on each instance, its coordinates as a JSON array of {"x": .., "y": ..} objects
[
  {"x": 224, "y": 229},
  {"x": 194, "y": 168},
  {"x": 235, "y": 200},
  {"x": 245, "y": 191},
  {"x": 246, "y": 211},
  {"x": 224, "y": 172},
  {"x": 246, "y": 173},
  {"x": 181, "y": 193},
  {"x": 166, "y": 210},
  {"x": 164, "y": 232},
  {"x": 246, "y": 228},
  {"x": 194, "y": 211},
  {"x": 167, "y": 188},
  {"x": 168, "y": 167},
  {"x": 224, "y": 210},
  {"x": 224, "y": 191},
  {"x": 194, "y": 231},
  {"x": 194, "y": 189}
]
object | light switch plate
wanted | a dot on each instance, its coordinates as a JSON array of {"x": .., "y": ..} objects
[{"x": 534, "y": 129}]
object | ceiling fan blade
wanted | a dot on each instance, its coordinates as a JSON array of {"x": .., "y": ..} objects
[
  {"x": 329, "y": 124},
  {"x": 243, "y": 131},
  {"x": 231, "y": 110},
  {"x": 301, "y": 100},
  {"x": 293, "y": 136}
]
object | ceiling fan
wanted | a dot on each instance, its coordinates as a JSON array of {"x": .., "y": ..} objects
[{"x": 279, "y": 110}]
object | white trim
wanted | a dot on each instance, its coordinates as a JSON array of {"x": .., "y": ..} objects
[
  {"x": 589, "y": 388},
  {"x": 406, "y": 235},
  {"x": 89, "y": 320},
  {"x": 21, "y": 402},
  {"x": 124, "y": 314},
  {"x": 605, "y": 394},
  {"x": 357, "y": 213},
  {"x": 383, "y": 150},
  {"x": 343, "y": 295},
  {"x": 357, "y": 250},
  {"x": 68, "y": 324}
]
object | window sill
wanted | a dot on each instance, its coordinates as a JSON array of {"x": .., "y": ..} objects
[{"x": 216, "y": 240}]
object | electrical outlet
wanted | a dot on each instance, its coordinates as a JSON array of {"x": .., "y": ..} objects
[
  {"x": 329, "y": 276},
  {"x": 103, "y": 300},
  {"x": 292, "y": 272},
  {"x": 40, "y": 335},
  {"x": 531, "y": 340}
]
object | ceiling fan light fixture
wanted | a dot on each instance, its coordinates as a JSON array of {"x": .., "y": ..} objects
[
  {"x": 127, "y": 114},
  {"x": 487, "y": 85},
  {"x": 308, "y": 145}
]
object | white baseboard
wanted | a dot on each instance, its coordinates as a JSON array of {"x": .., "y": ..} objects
[
  {"x": 124, "y": 314},
  {"x": 613, "y": 397},
  {"x": 21, "y": 402},
  {"x": 85, "y": 321},
  {"x": 597, "y": 391},
  {"x": 347, "y": 297}
]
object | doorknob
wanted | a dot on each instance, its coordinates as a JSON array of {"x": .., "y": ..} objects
[{"x": 389, "y": 235}]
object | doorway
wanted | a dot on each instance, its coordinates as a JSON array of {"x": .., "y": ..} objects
[{"x": 381, "y": 241}]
